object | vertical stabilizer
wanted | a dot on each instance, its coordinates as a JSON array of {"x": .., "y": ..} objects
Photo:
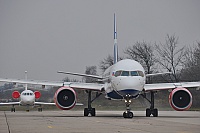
[
  {"x": 26, "y": 86},
  {"x": 115, "y": 41}
]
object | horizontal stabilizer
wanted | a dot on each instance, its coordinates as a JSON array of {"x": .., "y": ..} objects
[
  {"x": 79, "y": 74},
  {"x": 155, "y": 74}
]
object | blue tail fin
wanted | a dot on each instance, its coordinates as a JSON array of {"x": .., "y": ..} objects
[{"x": 115, "y": 42}]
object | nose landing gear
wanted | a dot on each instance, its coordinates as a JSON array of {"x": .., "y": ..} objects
[{"x": 128, "y": 113}]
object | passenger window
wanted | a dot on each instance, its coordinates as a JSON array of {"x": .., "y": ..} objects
[
  {"x": 125, "y": 73},
  {"x": 134, "y": 73},
  {"x": 27, "y": 93},
  {"x": 118, "y": 73}
]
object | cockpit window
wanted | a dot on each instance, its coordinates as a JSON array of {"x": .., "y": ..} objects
[
  {"x": 118, "y": 73},
  {"x": 27, "y": 94},
  {"x": 129, "y": 73},
  {"x": 134, "y": 73},
  {"x": 141, "y": 73},
  {"x": 125, "y": 73}
]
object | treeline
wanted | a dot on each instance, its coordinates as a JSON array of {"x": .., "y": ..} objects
[{"x": 181, "y": 60}]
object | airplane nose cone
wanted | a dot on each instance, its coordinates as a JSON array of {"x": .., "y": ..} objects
[
  {"x": 128, "y": 85},
  {"x": 28, "y": 100}
]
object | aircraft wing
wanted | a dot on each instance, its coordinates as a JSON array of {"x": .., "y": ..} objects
[
  {"x": 34, "y": 82},
  {"x": 43, "y": 103},
  {"x": 166, "y": 86},
  {"x": 85, "y": 86},
  {"x": 10, "y": 103},
  {"x": 76, "y": 85}
]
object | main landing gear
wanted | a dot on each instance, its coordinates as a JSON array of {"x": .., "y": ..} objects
[
  {"x": 128, "y": 113},
  {"x": 151, "y": 111},
  {"x": 40, "y": 109},
  {"x": 13, "y": 109},
  {"x": 91, "y": 110}
]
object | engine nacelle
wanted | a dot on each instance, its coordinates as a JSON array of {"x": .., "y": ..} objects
[
  {"x": 180, "y": 99},
  {"x": 16, "y": 94},
  {"x": 37, "y": 94},
  {"x": 65, "y": 98}
]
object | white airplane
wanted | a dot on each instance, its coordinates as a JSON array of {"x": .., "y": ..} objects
[
  {"x": 125, "y": 80},
  {"x": 26, "y": 98}
]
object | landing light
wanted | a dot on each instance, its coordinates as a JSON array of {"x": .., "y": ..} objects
[{"x": 127, "y": 101}]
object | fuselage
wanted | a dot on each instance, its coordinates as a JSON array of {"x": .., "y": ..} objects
[
  {"x": 27, "y": 97},
  {"x": 124, "y": 78}
]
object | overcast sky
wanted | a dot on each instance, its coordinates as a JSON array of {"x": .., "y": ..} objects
[{"x": 44, "y": 36}]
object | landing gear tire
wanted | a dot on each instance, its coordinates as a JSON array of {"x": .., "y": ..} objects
[
  {"x": 154, "y": 112},
  {"x": 12, "y": 109},
  {"x": 128, "y": 114},
  {"x": 39, "y": 109},
  {"x": 91, "y": 111},
  {"x": 148, "y": 112},
  {"x": 86, "y": 112}
]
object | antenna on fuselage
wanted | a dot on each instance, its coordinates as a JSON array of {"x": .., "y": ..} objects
[
  {"x": 115, "y": 42},
  {"x": 26, "y": 86}
]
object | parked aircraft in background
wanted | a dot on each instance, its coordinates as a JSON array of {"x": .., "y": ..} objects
[
  {"x": 26, "y": 98},
  {"x": 125, "y": 80}
]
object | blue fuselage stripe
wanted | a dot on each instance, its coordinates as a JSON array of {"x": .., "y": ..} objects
[{"x": 120, "y": 94}]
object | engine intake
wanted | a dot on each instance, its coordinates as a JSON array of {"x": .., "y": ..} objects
[
  {"x": 37, "y": 94},
  {"x": 65, "y": 98},
  {"x": 180, "y": 99},
  {"x": 16, "y": 94}
]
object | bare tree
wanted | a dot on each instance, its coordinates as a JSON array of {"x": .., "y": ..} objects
[
  {"x": 142, "y": 52},
  {"x": 191, "y": 71},
  {"x": 106, "y": 62},
  {"x": 170, "y": 57},
  {"x": 91, "y": 70},
  {"x": 67, "y": 79}
]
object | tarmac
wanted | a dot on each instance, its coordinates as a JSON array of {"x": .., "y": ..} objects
[{"x": 105, "y": 122}]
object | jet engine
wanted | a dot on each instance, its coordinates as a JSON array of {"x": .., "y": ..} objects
[
  {"x": 37, "y": 94},
  {"x": 180, "y": 99},
  {"x": 65, "y": 98},
  {"x": 16, "y": 94}
]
